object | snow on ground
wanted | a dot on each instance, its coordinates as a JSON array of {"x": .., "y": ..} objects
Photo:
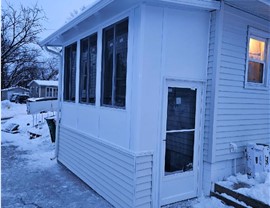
[
  {"x": 41, "y": 149},
  {"x": 10, "y": 109},
  {"x": 258, "y": 187},
  {"x": 29, "y": 177},
  {"x": 201, "y": 202},
  {"x": 206, "y": 202}
]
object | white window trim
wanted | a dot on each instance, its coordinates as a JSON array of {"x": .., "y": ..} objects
[
  {"x": 48, "y": 93},
  {"x": 264, "y": 36}
]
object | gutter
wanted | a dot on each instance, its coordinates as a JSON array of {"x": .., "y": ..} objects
[{"x": 58, "y": 117}]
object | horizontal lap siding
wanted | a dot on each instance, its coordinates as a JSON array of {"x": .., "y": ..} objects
[
  {"x": 107, "y": 171},
  {"x": 209, "y": 92},
  {"x": 122, "y": 178},
  {"x": 143, "y": 180},
  {"x": 243, "y": 115}
]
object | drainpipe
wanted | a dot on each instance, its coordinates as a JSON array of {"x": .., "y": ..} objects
[{"x": 58, "y": 117}]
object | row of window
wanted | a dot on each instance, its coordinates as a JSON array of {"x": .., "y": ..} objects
[
  {"x": 51, "y": 92},
  {"x": 114, "y": 67}
]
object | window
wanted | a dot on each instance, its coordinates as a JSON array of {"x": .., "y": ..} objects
[
  {"x": 55, "y": 92},
  {"x": 70, "y": 72},
  {"x": 88, "y": 69},
  {"x": 257, "y": 58},
  {"x": 114, "y": 64},
  {"x": 51, "y": 92}
]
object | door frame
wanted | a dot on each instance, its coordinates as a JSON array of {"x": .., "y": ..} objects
[{"x": 174, "y": 82}]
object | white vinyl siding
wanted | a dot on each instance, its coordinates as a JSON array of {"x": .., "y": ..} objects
[
  {"x": 243, "y": 115},
  {"x": 123, "y": 178},
  {"x": 209, "y": 90}
]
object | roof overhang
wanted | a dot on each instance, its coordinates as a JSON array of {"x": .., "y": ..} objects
[
  {"x": 259, "y": 8},
  {"x": 56, "y": 38},
  {"x": 51, "y": 40}
]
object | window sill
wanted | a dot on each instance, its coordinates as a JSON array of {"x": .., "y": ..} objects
[
  {"x": 114, "y": 108},
  {"x": 255, "y": 86}
]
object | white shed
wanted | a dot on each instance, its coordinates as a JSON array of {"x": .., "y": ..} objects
[{"x": 153, "y": 94}]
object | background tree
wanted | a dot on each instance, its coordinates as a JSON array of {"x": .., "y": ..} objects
[
  {"x": 20, "y": 53},
  {"x": 75, "y": 13}
]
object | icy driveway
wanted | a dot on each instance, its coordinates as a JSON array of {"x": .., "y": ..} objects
[
  {"x": 54, "y": 186},
  {"x": 29, "y": 177}
]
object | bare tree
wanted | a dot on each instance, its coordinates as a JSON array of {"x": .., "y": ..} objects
[
  {"x": 49, "y": 69},
  {"x": 75, "y": 13},
  {"x": 19, "y": 42}
]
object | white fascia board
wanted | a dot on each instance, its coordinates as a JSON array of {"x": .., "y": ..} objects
[
  {"x": 266, "y": 2},
  {"x": 206, "y": 4},
  {"x": 84, "y": 15}
]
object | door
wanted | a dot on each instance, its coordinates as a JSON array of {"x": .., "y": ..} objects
[{"x": 180, "y": 141}]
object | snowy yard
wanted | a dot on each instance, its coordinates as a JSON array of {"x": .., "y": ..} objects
[
  {"x": 257, "y": 188},
  {"x": 31, "y": 177}
]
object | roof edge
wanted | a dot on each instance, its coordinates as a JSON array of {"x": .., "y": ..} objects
[
  {"x": 90, "y": 11},
  {"x": 207, "y": 4}
]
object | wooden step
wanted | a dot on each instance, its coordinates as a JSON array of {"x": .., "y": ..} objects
[
  {"x": 240, "y": 197},
  {"x": 227, "y": 201}
]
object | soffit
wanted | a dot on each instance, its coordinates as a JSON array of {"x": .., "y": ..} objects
[{"x": 259, "y": 8}]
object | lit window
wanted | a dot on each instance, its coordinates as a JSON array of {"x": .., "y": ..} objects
[
  {"x": 257, "y": 67},
  {"x": 256, "y": 63}
]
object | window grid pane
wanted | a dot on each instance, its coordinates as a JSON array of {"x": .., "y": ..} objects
[
  {"x": 70, "y": 72},
  {"x": 114, "y": 64},
  {"x": 88, "y": 69},
  {"x": 256, "y": 61},
  {"x": 92, "y": 66}
]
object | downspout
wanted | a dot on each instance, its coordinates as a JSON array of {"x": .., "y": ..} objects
[{"x": 58, "y": 117}]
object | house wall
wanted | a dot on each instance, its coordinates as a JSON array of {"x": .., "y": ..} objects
[
  {"x": 6, "y": 94},
  {"x": 95, "y": 140},
  {"x": 32, "y": 90},
  {"x": 112, "y": 135},
  {"x": 174, "y": 46},
  {"x": 41, "y": 92},
  {"x": 237, "y": 114},
  {"x": 120, "y": 176}
]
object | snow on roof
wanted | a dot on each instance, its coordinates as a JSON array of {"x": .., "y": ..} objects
[
  {"x": 45, "y": 83},
  {"x": 12, "y": 88}
]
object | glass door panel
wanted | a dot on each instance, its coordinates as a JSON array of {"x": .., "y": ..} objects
[{"x": 180, "y": 130}]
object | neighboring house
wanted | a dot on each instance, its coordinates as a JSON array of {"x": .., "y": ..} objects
[
  {"x": 156, "y": 95},
  {"x": 7, "y": 92},
  {"x": 43, "y": 88}
]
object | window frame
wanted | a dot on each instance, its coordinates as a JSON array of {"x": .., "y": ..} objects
[
  {"x": 67, "y": 92},
  {"x": 89, "y": 68},
  {"x": 114, "y": 68},
  {"x": 51, "y": 92},
  {"x": 261, "y": 36}
]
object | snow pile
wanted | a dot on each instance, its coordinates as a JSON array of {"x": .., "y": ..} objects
[
  {"x": 9, "y": 109},
  {"x": 41, "y": 150},
  {"x": 212, "y": 202},
  {"x": 256, "y": 188}
]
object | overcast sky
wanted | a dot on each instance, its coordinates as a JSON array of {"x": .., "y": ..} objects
[{"x": 57, "y": 11}]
